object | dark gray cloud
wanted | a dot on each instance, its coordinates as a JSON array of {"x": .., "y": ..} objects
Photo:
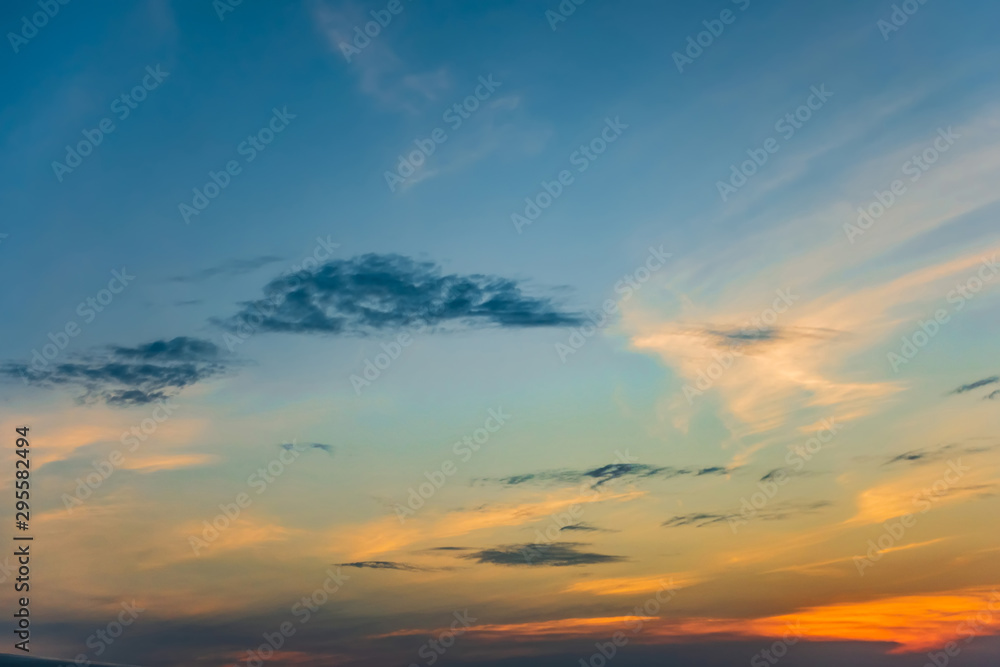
[
  {"x": 992, "y": 396},
  {"x": 450, "y": 549},
  {"x": 777, "y": 473},
  {"x": 313, "y": 445},
  {"x": 778, "y": 512},
  {"x": 126, "y": 376},
  {"x": 373, "y": 293},
  {"x": 747, "y": 335},
  {"x": 554, "y": 554},
  {"x": 993, "y": 379},
  {"x": 585, "y": 527},
  {"x": 383, "y": 565},
  {"x": 937, "y": 453},
  {"x": 605, "y": 474},
  {"x": 233, "y": 267}
]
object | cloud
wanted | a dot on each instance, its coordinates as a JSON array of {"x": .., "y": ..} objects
[
  {"x": 315, "y": 445},
  {"x": 126, "y": 376},
  {"x": 234, "y": 267},
  {"x": 373, "y": 293},
  {"x": 937, "y": 453},
  {"x": 587, "y": 528},
  {"x": 787, "y": 472},
  {"x": 606, "y": 474},
  {"x": 992, "y": 396},
  {"x": 555, "y": 554},
  {"x": 993, "y": 379},
  {"x": 383, "y": 565},
  {"x": 779, "y": 512}
]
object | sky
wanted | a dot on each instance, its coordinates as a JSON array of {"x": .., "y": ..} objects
[{"x": 423, "y": 332}]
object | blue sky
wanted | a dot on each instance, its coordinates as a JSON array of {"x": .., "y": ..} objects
[{"x": 310, "y": 220}]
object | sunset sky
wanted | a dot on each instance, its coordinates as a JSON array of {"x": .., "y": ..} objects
[{"x": 509, "y": 328}]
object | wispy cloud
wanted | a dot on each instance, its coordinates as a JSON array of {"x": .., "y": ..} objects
[
  {"x": 383, "y": 565},
  {"x": 605, "y": 474},
  {"x": 993, "y": 379},
  {"x": 778, "y": 512},
  {"x": 234, "y": 267}
]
